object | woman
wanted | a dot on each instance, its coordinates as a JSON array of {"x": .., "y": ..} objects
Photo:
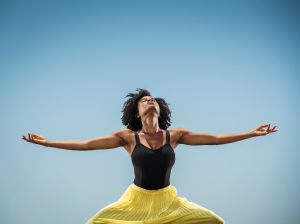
[{"x": 151, "y": 198}]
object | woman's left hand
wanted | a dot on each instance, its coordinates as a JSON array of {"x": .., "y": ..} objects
[{"x": 264, "y": 130}]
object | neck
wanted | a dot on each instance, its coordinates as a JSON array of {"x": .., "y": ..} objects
[{"x": 150, "y": 125}]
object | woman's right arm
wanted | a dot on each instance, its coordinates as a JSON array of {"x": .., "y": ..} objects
[
  {"x": 114, "y": 140},
  {"x": 67, "y": 144}
]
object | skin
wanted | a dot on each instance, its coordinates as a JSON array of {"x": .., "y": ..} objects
[{"x": 151, "y": 135}]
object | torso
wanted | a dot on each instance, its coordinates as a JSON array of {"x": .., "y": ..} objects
[
  {"x": 154, "y": 143},
  {"x": 152, "y": 166}
]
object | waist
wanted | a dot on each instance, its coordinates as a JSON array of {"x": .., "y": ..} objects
[{"x": 151, "y": 191}]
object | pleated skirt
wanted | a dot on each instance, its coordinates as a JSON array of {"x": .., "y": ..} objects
[{"x": 163, "y": 206}]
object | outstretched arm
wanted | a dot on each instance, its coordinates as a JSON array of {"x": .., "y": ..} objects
[
  {"x": 198, "y": 138},
  {"x": 188, "y": 137},
  {"x": 66, "y": 144},
  {"x": 261, "y": 130},
  {"x": 113, "y": 140}
]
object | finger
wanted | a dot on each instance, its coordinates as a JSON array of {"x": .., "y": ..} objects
[
  {"x": 267, "y": 128},
  {"x": 31, "y": 138},
  {"x": 34, "y": 140},
  {"x": 264, "y": 125},
  {"x": 272, "y": 129},
  {"x": 35, "y": 135}
]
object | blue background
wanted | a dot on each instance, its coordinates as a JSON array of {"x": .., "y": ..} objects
[{"x": 224, "y": 67}]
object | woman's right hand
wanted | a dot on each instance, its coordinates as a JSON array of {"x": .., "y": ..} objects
[{"x": 36, "y": 139}]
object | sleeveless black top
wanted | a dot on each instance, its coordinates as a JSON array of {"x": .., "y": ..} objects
[{"x": 152, "y": 167}]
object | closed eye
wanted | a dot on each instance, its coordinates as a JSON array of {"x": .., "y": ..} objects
[{"x": 146, "y": 99}]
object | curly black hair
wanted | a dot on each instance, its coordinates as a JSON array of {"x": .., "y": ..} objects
[{"x": 130, "y": 109}]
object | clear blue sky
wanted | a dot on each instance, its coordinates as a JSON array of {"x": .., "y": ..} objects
[{"x": 224, "y": 67}]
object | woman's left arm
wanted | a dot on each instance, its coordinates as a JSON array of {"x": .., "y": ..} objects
[
  {"x": 261, "y": 130},
  {"x": 199, "y": 138}
]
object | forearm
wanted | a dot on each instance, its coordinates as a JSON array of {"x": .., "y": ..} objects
[
  {"x": 68, "y": 144},
  {"x": 234, "y": 137}
]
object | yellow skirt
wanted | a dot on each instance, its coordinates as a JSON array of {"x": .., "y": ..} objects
[{"x": 163, "y": 206}]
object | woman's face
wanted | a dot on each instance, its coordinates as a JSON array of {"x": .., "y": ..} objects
[{"x": 148, "y": 104}]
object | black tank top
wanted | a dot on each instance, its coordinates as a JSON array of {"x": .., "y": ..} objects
[{"x": 152, "y": 167}]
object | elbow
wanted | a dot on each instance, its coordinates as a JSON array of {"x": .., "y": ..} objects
[
  {"x": 85, "y": 145},
  {"x": 217, "y": 140}
]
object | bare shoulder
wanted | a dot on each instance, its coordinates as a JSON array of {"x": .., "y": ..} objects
[
  {"x": 178, "y": 131},
  {"x": 124, "y": 134},
  {"x": 127, "y": 137},
  {"x": 176, "y": 134}
]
